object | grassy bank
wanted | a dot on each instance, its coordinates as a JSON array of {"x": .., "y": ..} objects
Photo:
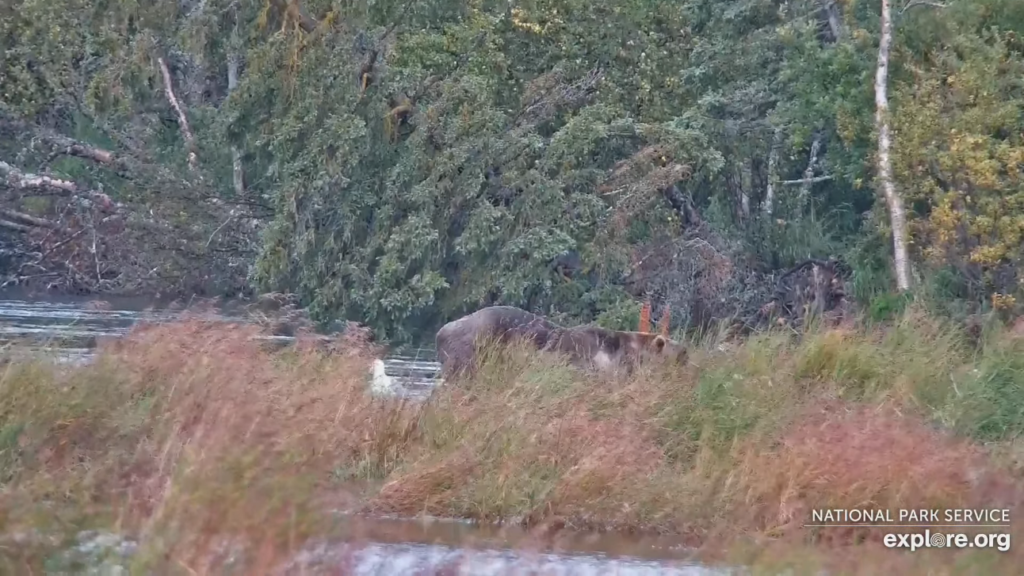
[{"x": 190, "y": 435}]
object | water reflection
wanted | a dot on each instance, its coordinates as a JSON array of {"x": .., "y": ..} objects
[
  {"x": 381, "y": 559},
  {"x": 68, "y": 328},
  {"x": 382, "y": 545}
]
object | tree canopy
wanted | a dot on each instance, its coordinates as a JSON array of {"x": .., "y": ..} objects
[{"x": 402, "y": 162}]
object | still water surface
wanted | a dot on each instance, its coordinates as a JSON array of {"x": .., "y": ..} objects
[{"x": 69, "y": 327}]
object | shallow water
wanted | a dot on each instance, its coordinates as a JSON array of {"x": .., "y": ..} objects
[
  {"x": 407, "y": 546},
  {"x": 69, "y": 328},
  {"x": 380, "y": 559}
]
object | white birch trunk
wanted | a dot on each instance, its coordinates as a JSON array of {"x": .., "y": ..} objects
[
  {"x": 897, "y": 215},
  {"x": 773, "y": 177},
  {"x": 234, "y": 62}
]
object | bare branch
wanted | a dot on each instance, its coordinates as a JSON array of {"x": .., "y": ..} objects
[
  {"x": 15, "y": 227},
  {"x": 834, "y": 19},
  {"x": 218, "y": 229},
  {"x": 66, "y": 145},
  {"x": 186, "y": 132},
  {"x": 812, "y": 163},
  {"x": 746, "y": 176},
  {"x": 26, "y": 181},
  {"x": 916, "y": 3},
  {"x": 808, "y": 180},
  {"x": 27, "y": 219},
  {"x": 198, "y": 10},
  {"x": 400, "y": 17}
]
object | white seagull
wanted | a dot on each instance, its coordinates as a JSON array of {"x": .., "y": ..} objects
[{"x": 382, "y": 383}]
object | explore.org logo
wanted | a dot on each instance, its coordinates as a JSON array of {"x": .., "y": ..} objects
[
  {"x": 979, "y": 521},
  {"x": 928, "y": 539}
]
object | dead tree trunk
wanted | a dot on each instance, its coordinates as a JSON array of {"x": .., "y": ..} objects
[
  {"x": 773, "y": 169},
  {"x": 897, "y": 215},
  {"x": 234, "y": 62},
  {"x": 746, "y": 178},
  {"x": 808, "y": 180},
  {"x": 172, "y": 99},
  {"x": 834, "y": 19}
]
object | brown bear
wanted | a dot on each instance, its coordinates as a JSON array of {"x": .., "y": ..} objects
[{"x": 587, "y": 347}]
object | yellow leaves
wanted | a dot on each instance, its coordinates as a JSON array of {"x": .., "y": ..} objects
[
  {"x": 985, "y": 161},
  {"x": 988, "y": 255},
  {"x": 1003, "y": 301},
  {"x": 962, "y": 135},
  {"x": 520, "y": 21},
  {"x": 1012, "y": 157},
  {"x": 959, "y": 158},
  {"x": 944, "y": 215},
  {"x": 264, "y": 15},
  {"x": 846, "y": 126},
  {"x": 330, "y": 19}
]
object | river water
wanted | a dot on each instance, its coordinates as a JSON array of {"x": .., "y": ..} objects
[{"x": 68, "y": 328}]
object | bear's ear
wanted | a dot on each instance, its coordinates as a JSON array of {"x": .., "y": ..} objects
[{"x": 659, "y": 342}]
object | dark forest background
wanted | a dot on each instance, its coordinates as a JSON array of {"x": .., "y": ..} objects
[{"x": 403, "y": 162}]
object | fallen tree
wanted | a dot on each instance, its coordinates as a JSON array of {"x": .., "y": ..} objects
[{"x": 167, "y": 235}]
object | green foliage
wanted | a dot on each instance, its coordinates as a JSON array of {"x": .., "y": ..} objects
[
  {"x": 623, "y": 316},
  {"x": 960, "y": 157},
  {"x": 989, "y": 399},
  {"x": 872, "y": 274},
  {"x": 491, "y": 183},
  {"x": 887, "y": 306},
  {"x": 493, "y": 144}
]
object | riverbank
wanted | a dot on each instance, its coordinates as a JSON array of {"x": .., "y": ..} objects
[{"x": 191, "y": 435}]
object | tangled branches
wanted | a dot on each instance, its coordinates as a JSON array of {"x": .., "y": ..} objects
[
  {"x": 811, "y": 289},
  {"x": 705, "y": 276},
  {"x": 59, "y": 233}
]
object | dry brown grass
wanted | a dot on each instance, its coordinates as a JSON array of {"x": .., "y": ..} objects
[
  {"x": 191, "y": 435},
  {"x": 186, "y": 434}
]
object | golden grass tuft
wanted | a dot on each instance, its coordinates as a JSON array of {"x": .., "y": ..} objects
[{"x": 192, "y": 435}]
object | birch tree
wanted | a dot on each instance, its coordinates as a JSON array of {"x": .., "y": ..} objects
[{"x": 897, "y": 212}]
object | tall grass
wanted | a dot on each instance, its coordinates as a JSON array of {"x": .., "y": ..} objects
[{"x": 191, "y": 437}]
